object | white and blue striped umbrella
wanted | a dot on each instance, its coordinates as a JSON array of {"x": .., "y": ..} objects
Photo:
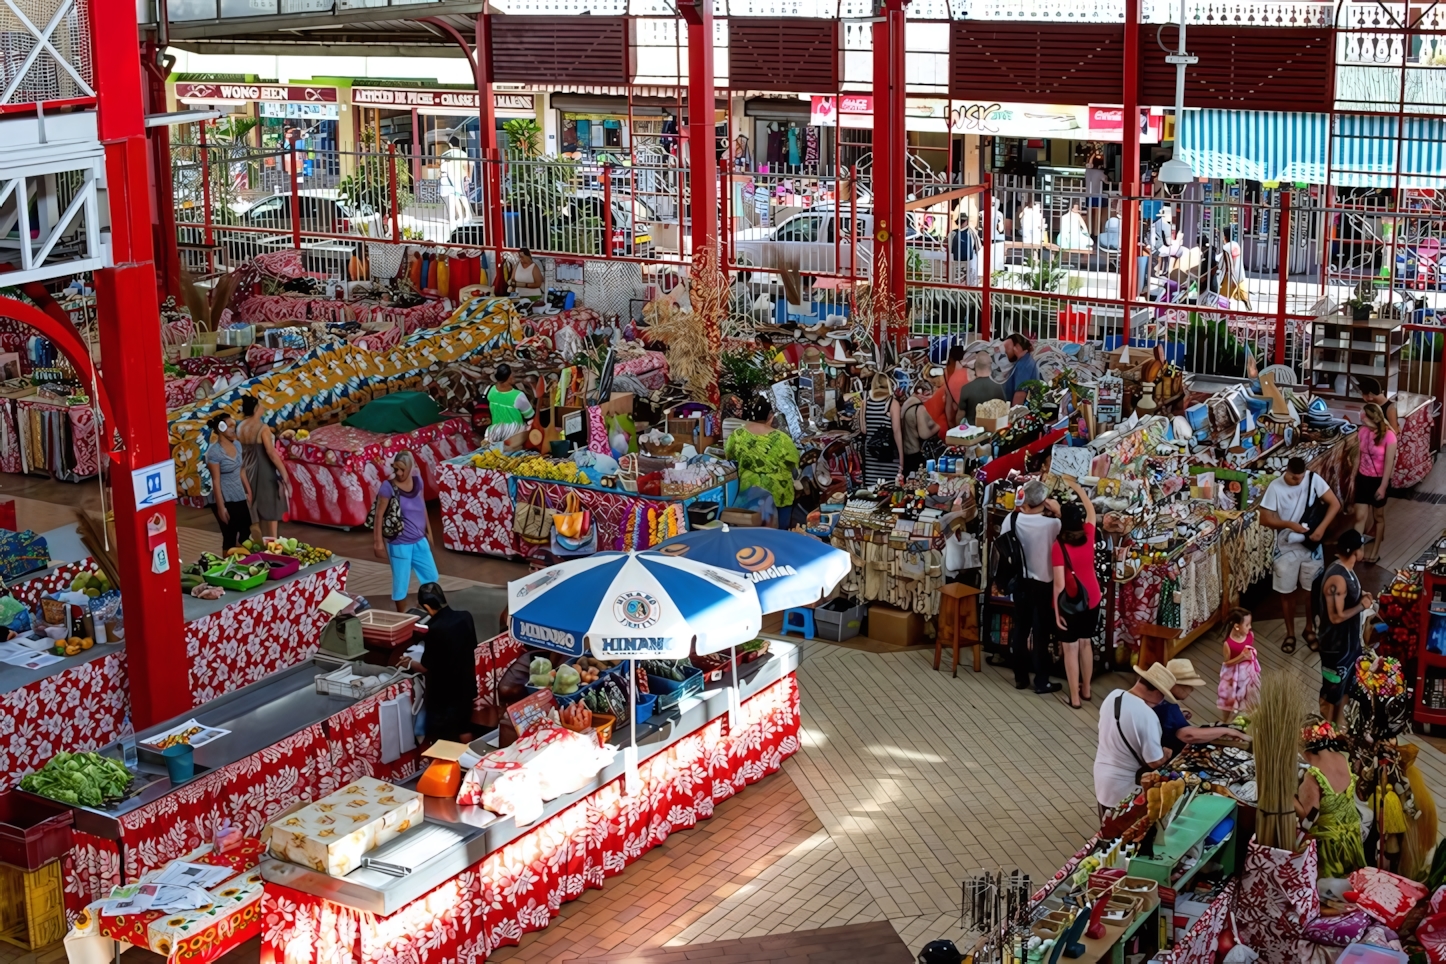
[
  {"x": 639, "y": 605},
  {"x": 787, "y": 568}
]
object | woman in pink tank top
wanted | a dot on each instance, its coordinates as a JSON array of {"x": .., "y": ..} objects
[{"x": 1373, "y": 476}]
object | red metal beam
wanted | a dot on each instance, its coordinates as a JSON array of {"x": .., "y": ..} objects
[
  {"x": 161, "y": 191},
  {"x": 702, "y": 155},
  {"x": 130, "y": 340},
  {"x": 1130, "y": 164},
  {"x": 890, "y": 150}
]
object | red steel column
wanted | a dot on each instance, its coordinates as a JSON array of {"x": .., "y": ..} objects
[
  {"x": 1283, "y": 247},
  {"x": 890, "y": 148},
  {"x": 702, "y": 156},
  {"x": 1130, "y": 165},
  {"x": 482, "y": 75},
  {"x": 130, "y": 342},
  {"x": 161, "y": 191}
]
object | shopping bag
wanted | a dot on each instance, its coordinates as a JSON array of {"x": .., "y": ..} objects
[
  {"x": 532, "y": 520},
  {"x": 573, "y": 522}
]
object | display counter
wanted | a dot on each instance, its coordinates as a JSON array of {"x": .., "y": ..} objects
[
  {"x": 287, "y": 743},
  {"x": 280, "y": 309},
  {"x": 478, "y": 882},
  {"x": 477, "y": 508}
]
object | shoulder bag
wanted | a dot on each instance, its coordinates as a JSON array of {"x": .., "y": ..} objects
[
  {"x": 392, "y": 521},
  {"x": 1315, "y": 512},
  {"x": 1144, "y": 767},
  {"x": 532, "y": 520},
  {"x": 1075, "y": 603},
  {"x": 573, "y": 522}
]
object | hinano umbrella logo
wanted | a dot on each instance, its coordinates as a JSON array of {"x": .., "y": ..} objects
[
  {"x": 676, "y": 549},
  {"x": 637, "y": 610},
  {"x": 754, "y": 558}
]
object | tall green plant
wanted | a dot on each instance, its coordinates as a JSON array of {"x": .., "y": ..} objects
[{"x": 524, "y": 137}]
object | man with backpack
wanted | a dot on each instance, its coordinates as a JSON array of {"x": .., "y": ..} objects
[
  {"x": 1338, "y": 602},
  {"x": 1025, "y": 572},
  {"x": 1299, "y": 506}
]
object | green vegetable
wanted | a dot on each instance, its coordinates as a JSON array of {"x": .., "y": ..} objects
[
  {"x": 567, "y": 680},
  {"x": 84, "y": 779}
]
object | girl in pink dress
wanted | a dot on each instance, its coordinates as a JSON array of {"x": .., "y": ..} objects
[{"x": 1240, "y": 673}]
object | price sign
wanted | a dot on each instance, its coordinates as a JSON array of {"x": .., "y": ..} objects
[{"x": 526, "y": 713}]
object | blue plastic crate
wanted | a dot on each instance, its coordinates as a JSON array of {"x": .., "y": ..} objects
[
  {"x": 672, "y": 692},
  {"x": 643, "y": 707}
]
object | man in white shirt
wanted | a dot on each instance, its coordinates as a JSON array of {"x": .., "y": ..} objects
[
  {"x": 1038, "y": 526},
  {"x": 1297, "y": 561},
  {"x": 1032, "y": 229},
  {"x": 1129, "y": 736}
]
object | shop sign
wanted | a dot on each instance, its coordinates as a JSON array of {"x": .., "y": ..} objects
[
  {"x": 1018, "y": 120},
  {"x": 853, "y": 110},
  {"x": 216, "y": 93},
  {"x": 634, "y": 646},
  {"x": 411, "y": 97},
  {"x": 1107, "y": 123},
  {"x": 293, "y": 109}
]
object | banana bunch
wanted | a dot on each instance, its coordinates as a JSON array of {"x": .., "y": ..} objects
[
  {"x": 537, "y": 467},
  {"x": 492, "y": 459}
]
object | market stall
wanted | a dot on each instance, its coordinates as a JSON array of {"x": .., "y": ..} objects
[
  {"x": 48, "y": 435},
  {"x": 479, "y": 508},
  {"x": 337, "y": 470}
]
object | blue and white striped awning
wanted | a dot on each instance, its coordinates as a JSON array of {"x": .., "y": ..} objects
[
  {"x": 1361, "y": 151},
  {"x": 1255, "y": 145},
  {"x": 1366, "y": 149}
]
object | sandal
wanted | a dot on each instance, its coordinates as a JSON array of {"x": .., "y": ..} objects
[
  {"x": 1287, "y": 645},
  {"x": 1312, "y": 640}
]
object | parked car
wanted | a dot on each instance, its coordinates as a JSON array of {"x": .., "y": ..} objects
[
  {"x": 822, "y": 241},
  {"x": 321, "y": 212}
]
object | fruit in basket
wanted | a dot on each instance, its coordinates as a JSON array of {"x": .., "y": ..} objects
[
  {"x": 567, "y": 681},
  {"x": 92, "y": 583}
]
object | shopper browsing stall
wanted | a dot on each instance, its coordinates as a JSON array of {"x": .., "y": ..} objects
[
  {"x": 1299, "y": 506},
  {"x": 230, "y": 488},
  {"x": 956, "y": 376},
  {"x": 1076, "y": 592},
  {"x": 882, "y": 433},
  {"x": 766, "y": 457},
  {"x": 1129, "y": 736},
  {"x": 1326, "y": 813},
  {"x": 1341, "y": 602},
  {"x": 981, "y": 388},
  {"x": 404, "y": 540},
  {"x": 1239, "y": 685},
  {"x": 1176, "y": 730},
  {"x": 1372, "y": 392},
  {"x": 1036, "y": 524},
  {"x": 449, "y": 664},
  {"x": 264, "y": 467},
  {"x": 506, "y": 403},
  {"x": 921, "y": 432},
  {"x": 1020, "y": 350},
  {"x": 1373, "y": 476}
]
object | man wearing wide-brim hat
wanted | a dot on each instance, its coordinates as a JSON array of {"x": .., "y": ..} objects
[
  {"x": 1175, "y": 728},
  {"x": 1129, "y": 736}
]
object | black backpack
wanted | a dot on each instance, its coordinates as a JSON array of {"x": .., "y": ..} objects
[{"x": 1009, "y": 569}]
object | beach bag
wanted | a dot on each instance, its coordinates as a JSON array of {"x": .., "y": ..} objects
[
  {"x": 392, "y": 521},
  {"x": 532, "y": 520},
  {"x": 1008, "y": 558},
  {"x": 1075, "y": 603},
  {"x": 573, "y": 522}
]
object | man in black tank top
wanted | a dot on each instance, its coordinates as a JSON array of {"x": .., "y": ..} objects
[{"x": 1341, "y": 605}]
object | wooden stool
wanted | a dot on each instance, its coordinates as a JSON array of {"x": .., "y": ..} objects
[{"x": 958, "y": 623}]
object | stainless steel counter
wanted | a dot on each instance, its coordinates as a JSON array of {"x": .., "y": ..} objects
[
  {"x": 453, "y": 838},
  {"x": 258, "y": 716}
]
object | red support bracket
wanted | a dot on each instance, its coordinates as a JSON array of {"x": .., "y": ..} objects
[{"x": 699, "y": 132}]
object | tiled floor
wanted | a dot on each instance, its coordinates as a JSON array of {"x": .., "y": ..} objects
[{"x": 907, "y": 781}]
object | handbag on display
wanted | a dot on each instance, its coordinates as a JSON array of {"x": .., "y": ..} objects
[
  {"x": 532, "y": 520},
  {"x": 584, "y": 545},
  {"x": 573, "y": 522}
]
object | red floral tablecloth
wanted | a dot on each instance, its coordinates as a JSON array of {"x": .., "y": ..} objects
[
  {"x": 580, "y": 320},
  {"x": 494, "y": 656},
  {"x": 262, "y": 309},
  {"x": 522, "y": 886},
  {"x": 1413, "y": 453},
  {"x": 1276, "y": 900},
  {"x": 258, "y": 635},
  {"x": 476, "y": 509},
  {"x": 316, "y": 761},
  {"x": 195, "y": 936},
  {"x": 337, "y": 471},
  {"x": 79, "y": 708}
]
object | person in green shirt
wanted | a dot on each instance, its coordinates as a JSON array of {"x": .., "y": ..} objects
[
  {"x": 506, "y": 404},
  {"x": 766, "y": 457}
]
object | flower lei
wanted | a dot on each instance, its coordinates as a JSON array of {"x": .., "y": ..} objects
[{"x": 1382, "y": 683}]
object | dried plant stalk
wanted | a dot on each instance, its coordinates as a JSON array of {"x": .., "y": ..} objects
[
  {"x": 709, "y": 293},
  {"x": 686, "y": 336},
  {"x": 1275, "y": 738}
]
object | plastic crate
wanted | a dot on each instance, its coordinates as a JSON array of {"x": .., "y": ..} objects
[
  {"x": 281, "y": 566},
  {"x": 672, "y": 692},
  {"x": 380, "y": 626},
  {"x": 240, "y": 585},
  {"x": 838, "y": 624},
  {"x": 33, "y": 831},
  {"x": 32, "y": 906},
  {"x": 643, "y": 707}
]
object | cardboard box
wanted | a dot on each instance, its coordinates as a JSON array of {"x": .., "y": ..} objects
[
  {"x": 741, "y": 517},
  {"x": 992, "y": 424},
  {"x": 893, "y": 626},
  {"x": 334, "y": 833}
]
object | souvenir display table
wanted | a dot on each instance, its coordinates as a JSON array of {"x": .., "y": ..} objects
[
  {"x": 337, "y": 470},
  {"x": 477, "y": 508},
  {"x": 332, "y": 381},
  {"x": 500, "y": 881},
  {"x": 195, "y": 936},
  {"x": 75, "y": 704},
  {"x": 286, "y": 744},
  {"x": 279, "y": 309},
  {"x": 244, "y": 637}
]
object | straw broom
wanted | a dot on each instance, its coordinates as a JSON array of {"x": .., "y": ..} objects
[{"x": 1275, "y": 738}]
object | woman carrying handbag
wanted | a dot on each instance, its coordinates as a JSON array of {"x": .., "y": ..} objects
[{"x": 1076, "y": 593}]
